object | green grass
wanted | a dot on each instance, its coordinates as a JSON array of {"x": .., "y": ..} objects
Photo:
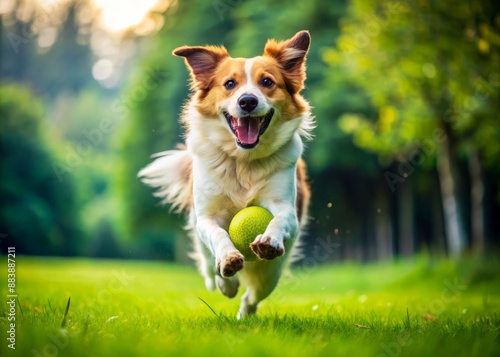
[{"x": 123, "y": 308}]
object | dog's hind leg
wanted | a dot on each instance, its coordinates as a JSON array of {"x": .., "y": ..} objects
[
  {"x": 205, "y": 264},
  {"x": 228, "y": 286},
  {"x": 260, "y": 277},
  {"x": 201, "y": 255}
]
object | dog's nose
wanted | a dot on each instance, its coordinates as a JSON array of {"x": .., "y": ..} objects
[{"x": 248, "y": 102}]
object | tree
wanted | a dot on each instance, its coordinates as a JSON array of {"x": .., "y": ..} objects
[
  {"x": 434, "y": 96},
  {"x": 23, "y": 60},
  {"x": 38, "y": 213}
]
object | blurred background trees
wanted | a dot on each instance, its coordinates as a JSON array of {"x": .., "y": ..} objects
[
  {"x": 38, "y": 210},
  {"x": 406, "y": 96}
]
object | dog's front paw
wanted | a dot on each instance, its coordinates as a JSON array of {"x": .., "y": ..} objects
[
  {"x": 267, "y": 247},
  {"x": 230, "y": 263}
]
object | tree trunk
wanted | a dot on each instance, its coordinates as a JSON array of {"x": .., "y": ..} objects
[
  {"x": 406, "y": 214},
  {"x": 437, "y": 241},
  {"x": 477, "y": 197},
  {"x": 454, "y": 232},
  {"x": 383, "y": 227}
]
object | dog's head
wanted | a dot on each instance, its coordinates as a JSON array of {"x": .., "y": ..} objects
[{"x": 249, "y": 103}]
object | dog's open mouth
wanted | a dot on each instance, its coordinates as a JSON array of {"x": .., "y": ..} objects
[{"x": 248, "y": 129}]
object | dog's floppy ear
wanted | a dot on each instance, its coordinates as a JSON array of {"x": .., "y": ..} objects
[
  {"x": 291, "y": 55},
  {"x": 202, "y": 62}
]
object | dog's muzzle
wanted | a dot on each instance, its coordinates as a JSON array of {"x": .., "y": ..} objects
[{"x": 248, "y": 129}]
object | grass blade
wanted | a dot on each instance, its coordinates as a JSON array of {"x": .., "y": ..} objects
[
  {"x": 63, "y": 323},
  {"x": 50, "y": 306},
  {"x": 19, "y": 304},
  {"x": 210, "y": 307},
  {"x": 86, "y": 326}
]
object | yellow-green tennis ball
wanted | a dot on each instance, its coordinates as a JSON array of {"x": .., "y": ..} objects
[{"x": 245, "y": 226}]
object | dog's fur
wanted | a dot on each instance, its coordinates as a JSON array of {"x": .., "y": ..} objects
[{"x": 245, "y": 123}]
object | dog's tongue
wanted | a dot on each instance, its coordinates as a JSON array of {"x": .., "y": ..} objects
[{"x": 247, "y": 130}]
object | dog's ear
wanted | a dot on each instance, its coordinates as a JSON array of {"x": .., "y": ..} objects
[
  {"x": 202, "y": 62},
  {"x": 291, "y": 55}
]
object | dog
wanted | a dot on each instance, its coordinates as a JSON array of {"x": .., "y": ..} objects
[{"x": 245, "y": 126}]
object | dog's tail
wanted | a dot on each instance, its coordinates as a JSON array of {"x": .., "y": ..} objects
[{"x": 171, "y": 174}]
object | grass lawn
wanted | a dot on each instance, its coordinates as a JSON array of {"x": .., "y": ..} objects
[{"x": 124, "y": 308}]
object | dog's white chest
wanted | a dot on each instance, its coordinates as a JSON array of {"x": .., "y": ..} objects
[{"x": 230, "y": 186}]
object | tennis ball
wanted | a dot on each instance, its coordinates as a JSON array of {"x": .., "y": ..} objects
[{"x": 245, "y": 226}]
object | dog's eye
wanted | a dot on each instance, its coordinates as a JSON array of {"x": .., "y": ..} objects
[
  {"x": 267, "y": 82},
  {"x": 229, "y": 84}
]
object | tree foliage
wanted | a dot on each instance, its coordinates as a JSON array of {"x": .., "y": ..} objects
[
  {"x": 39, "y": 213},
  {"x": 416, "y": 76}
]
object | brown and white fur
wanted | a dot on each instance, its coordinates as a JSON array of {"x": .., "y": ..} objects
[{"x": 245, "y": 124}]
